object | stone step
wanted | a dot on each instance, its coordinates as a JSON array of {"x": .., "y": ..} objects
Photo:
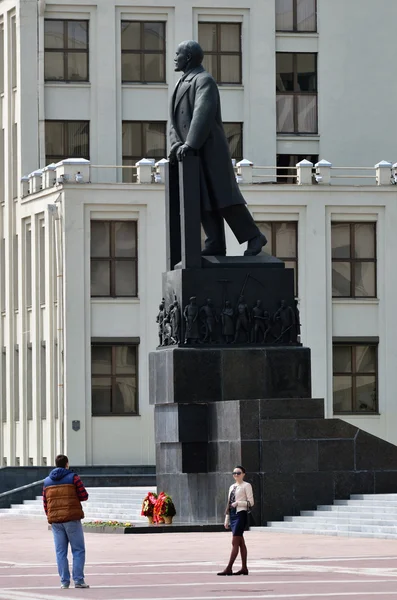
[
  {"x": 335, "y": 527},
  {"x": 368, "y": 519},
  {"x": 353, "y": 508},
  {"x": 374, "y": 502},
  {"x": 356, "y": 534},
  {"x": 373, "y": 496}
]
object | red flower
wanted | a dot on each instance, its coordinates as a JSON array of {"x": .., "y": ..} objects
[{"x": 148, "y": 504}]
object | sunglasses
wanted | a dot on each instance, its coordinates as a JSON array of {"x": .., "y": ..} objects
[{"x": 236, "y": 473}]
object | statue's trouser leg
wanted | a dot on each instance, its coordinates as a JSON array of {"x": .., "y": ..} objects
[
  {"x": 240, "y": 221},
  {"x": 214, "y": 230}
]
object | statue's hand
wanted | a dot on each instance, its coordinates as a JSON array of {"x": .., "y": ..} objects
[
  {"x": 183, "y": 151},
  {"x": 173, "y": 152}
]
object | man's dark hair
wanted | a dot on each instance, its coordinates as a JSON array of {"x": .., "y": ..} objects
[
  {"x": 61, "y": 461},
  {"x": 195, "y": 50}
]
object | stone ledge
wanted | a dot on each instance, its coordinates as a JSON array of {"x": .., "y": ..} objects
[{"x": 156, "y": 529}]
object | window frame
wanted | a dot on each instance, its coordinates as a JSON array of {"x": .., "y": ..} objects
[
  {"x": 65, "y": 50},
  {"x": 218, "y": 53},
  {"x": 142, "y": 51},
  {"x": 295, "y": 93},
  {"x": 273, "y": 249},
  {"x": 112, "y": 258},
  {"x": 113, "y": 376},
  {"x": 127, "y": 157},
  {"x": 353, "y": 261},
  {"x": 295, "y": 20},
  {"x": 354, "y": 374},
  {"x": 241, "y": 125},
  {"x": 51, "y": 158}
]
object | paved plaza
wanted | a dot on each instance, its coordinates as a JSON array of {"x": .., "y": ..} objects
[{"x": 184, "y": 566}]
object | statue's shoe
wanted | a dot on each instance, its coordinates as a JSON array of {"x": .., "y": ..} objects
[{"x": 255, "y": 245}]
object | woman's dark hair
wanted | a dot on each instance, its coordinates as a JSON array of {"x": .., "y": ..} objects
[{"x": 241, "y": 468}]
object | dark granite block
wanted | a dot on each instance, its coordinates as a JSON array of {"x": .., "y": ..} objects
[
  {"x": 169, "y": 458},
  {"x": 194, "y": 457},
  {"x": 335, "y": 455},
  {"x": 243, "y": 373},
  {"x": 312, "y": 489},
  {"x": 193, "y": 422},
  {"x": 158, "y": 380},
  {"x": 196, "y": 374},
  {"x": 325, "y": 428},
  {"x": 224, "y": 418},
  {"x": 278, "y": 429},
  {"x": 385, "y": 482},
  {"x": 250, "y": 456},
  {"x": 166, "y": 423},
  {"x": 290, "y": 408},
  {"x": 351, "y": 482},
  {"x": 289, "y": 456},
  {"x": 277, "y": 497},
  {"x": 372, "y": 453},
  {"x": 288, "y": 373},
  {"x": 249, "y": 419}
]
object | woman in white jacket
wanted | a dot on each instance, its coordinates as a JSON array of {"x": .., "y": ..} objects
[{"x": 240, "y": 500}]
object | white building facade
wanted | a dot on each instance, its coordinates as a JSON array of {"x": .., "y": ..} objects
[{"x": 93, "y": 81}]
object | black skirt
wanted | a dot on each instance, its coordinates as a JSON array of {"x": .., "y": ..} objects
[{"x": 238, "y": 521}]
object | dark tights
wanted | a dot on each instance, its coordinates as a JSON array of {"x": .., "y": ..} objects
[{"x": 238, "y": 543}]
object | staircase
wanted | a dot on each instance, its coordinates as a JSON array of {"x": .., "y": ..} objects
[
  {"x": 364, "y": 515},
  {"x": 104, "y": 503}
]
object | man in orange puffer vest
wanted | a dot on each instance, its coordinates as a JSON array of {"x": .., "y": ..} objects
[{"x": 62, "y": 493}]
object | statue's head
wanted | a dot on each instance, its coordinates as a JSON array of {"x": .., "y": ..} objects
[{"x": 189, "y": 55}]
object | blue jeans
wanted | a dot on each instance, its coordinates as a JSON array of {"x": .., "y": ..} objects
[{"x": 64, "y": 534}]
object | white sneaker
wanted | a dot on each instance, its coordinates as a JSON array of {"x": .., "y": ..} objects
[
  {"x": 81, "y": 585},
  {"x": 65, "y": 586}
]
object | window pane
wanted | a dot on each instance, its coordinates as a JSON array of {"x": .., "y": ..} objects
[
  {"x": 230, "y": 37},
  {"x": 129, "y": 175},
  {"x": 207, "y": 36},
  {"x": 79, "y": 138},
  {"x": 125, "y": 278},
  {"x": 154, "y": 36},
  {"x": 284, "y": 72},
  {"x": 366, "y": 393},
  {"x": 284, "y": 15},
  {"x": 340, "y": 238},
  {"x": 366, "y": 359},
  {"x": 230, "y": 69},
  {"x": 341, "y": 276},
  {"x": 77, "y": 66},
  {"x": 125, "y": 242},
  {"x": 132, "y": 139},
  {"x": 101, "y": 360},
  {"x": 125, "y": 360},
  {"x": 54, "y": 66},
  {"x": 306, "y": 15},
  {"x": 307, "y": 114},
  {"x": 125, "y": 400},
  {"x": 266, "y": 229},
  {"x": 364, "y": 240},
  {"x": 54, "y": 138},
  {"x": 100, "y": 239},
  {"x": 100, "y": 278},
  {"x": 342, "y": 393},
  {"x": 365, "y": 279},
  {"x": 78, "y": 35},
  {"x": 307, "y": 72},
  {"x": 101, "y": 395},
  {"x": 342, "y": 359},
  {"x": 130, "y": 36},
  {"x": 286, "y": 240},
  {"x": 210, "y": 64},
  {"x": 285, "y": 114},
  {"x": 53, "y": 34},
  {"x": 131, "y": 67},
  {"x": 154, "y": 67},
  {"x": 234, "y": 136},
  {"x": 155, "y": 141}
]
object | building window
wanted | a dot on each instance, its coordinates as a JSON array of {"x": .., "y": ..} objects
[
  {"x": 65, "y": 50},
  {"x": 114, "y": 371},
  {"x": 67, "y": 139},
  {"x": 114, "y": 266},
  {"x": 355, "y": 378},
  {"x": 282, "y": 242},
  {"x": 353, "y": 260},
  {"x": 234, "y": 136},
  {"x": 142, "y": 52},
  {"x": 221, "y": 43},
  {"x": 296, "y": 86},
  {"x": 296, "y": 15},
  {"x": 286, "y": 166},
  {"x": 142, "y": 139}
]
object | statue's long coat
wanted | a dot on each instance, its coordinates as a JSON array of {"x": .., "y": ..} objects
[{"x": 196, "y": 120}]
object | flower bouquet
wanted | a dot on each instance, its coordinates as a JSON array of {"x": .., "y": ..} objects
[
  {"x": 164, "y": 509},
  {"x": 148, "y": 506}
]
